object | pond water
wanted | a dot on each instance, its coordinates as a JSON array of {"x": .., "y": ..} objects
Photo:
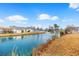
[{"x": 22, "y": 45}]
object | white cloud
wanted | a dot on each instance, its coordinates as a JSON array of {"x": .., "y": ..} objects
[
  {"x": 16, "y": 18},
  {"x": 1, "y": 20},
  {"x": 67, "y": 20},
  {"x": 77, "y": 9},
  {"x": 21, "y": 22},
  {"x": 44, "y": 16},
  {"x": 47, "y": 17},
  {"x": 63, "y": 20},
  {"x": 54, "y": 18},
  {"x": 74, "y": 5}
]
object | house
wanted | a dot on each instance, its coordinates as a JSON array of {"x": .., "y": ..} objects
[
  {"x": 18, "y": 29},
  {"x": 75, "y": 29},
  {"x": 30, "y": 29},
  {"x": 15, "y": 29},
  {"x": 22, "y": 29},
  {"x": 72, "y": 29}
]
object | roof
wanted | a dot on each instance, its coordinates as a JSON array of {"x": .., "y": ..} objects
[{"x": 22, "y": 28}]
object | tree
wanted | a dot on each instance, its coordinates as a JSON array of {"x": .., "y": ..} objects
[
  {"x": 51, "y": 29},
  {"x": 56, "y": 26},
  {"x": 62, "y": 32},
  {"x": 56, "y": 30}
]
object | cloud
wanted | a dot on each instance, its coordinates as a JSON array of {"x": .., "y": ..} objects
[
  {"x": 47, "y": 17},
  {"x": 44, "y": 16},
  {"x": 54, "y": 18},
  {"x": 1, "y": 20},
  {"x": 67, "y": 20},
  {"x": 16, "y": 18},
  {"x": 74, "y": 5},
  {"x": 77, "y": 9},
  {"x": 21, "y": 22}
]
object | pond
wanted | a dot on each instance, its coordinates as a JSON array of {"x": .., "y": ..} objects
[{"x": 22, "y": 45}]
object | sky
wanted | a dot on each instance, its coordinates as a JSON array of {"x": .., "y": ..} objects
[{"x": 39, "y": 14}]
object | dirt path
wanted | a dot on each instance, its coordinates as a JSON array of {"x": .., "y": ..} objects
[{"x": 67, "y": 45}]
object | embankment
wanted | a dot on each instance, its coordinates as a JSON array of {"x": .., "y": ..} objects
[
  {"x": 67, "y": 45},
  {"x": 18, "y": 34}
]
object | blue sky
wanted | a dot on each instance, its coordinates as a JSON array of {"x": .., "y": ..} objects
[{"x": 42, "y": 14}]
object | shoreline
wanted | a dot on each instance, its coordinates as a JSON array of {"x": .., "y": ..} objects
[
  {"x": 19, "y": 34},
  {"x": 41, "y": 48},
  {"x": 67, "y": 45}
]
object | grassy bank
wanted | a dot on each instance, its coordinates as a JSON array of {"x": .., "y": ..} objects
[
  {"x": 18, "y": 34},
  {"x": 67, "y": 45}
]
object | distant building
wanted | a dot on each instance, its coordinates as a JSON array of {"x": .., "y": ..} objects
[
  {"x": 72, "y": 29},
  {"x": 1, "y": 31},
  {"x": 22, "y": 29},
  {"x": 15, "y": 29},
  {"x": 75, "y": 29}
]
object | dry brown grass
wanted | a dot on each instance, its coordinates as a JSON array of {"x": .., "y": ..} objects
[{"x": 67, "y": 45}]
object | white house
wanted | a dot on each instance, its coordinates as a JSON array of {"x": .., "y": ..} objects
[
  {"x": 16, "y": 31},
  {"x": 25, "y": 29},
  {"x": 21, "y": 29}
]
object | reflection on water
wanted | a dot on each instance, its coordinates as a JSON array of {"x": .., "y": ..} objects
[
  {"x": 18, "y": 37},
  {"x": 22, "y": 45}
]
